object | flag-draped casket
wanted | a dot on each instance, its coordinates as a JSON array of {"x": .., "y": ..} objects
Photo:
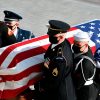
[{"x": 20, "y": 63}]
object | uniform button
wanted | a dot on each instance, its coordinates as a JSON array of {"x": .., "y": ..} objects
[
  {"x": 23, "y": 37},
  {"x": 53, "y": 49}
]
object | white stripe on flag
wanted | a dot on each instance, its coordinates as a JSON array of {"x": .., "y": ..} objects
[
  {"x": 23, "y": 65},
  {"x": 18, "y": 84}
]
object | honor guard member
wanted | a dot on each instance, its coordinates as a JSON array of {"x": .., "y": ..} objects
[
  {"x": 58, "y": 64},
  {"x": 85, "y": 69},
  {"x": 12, "y": 21}
]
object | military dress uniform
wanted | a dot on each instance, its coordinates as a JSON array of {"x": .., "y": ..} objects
[
  {"x": 23, "y": 35},
  {"x": 84, "y": 72},
  {"x": 57, "y": 82},
  {"x": 62, "y": 87}
]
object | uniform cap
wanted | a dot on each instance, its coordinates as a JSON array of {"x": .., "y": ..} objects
[
  {"x": 56, "y": 27},
  {"x": 81, "y": 36},
  {"x": 11, "y": 16}
]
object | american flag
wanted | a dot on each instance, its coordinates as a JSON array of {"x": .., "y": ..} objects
[{"x": 20, "y": 63}]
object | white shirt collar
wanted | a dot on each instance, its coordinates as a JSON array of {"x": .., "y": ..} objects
[
  {"x": 15, "y": 32},
  {"x": 53, "y": 45}
]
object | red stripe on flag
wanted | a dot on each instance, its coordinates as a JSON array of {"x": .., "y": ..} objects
[
  {"x": 93, "y": 48},
  {"x": 13, "y": 93},
  {"x": 70, "y": 40},
  {"x": 23, "y": 74},
  {"x": 72, "y": 29},
  {"x": 26, "y": 54}
]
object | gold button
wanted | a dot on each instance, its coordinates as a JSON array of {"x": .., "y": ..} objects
[{"x": 53, "y": 49}]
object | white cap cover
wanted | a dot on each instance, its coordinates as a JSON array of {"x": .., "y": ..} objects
[{"x": 81, "y": 36}]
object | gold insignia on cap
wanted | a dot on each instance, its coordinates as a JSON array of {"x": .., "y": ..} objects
[
  {"x": 60, "y": 30},
  {"x": 55, "y": 72}
]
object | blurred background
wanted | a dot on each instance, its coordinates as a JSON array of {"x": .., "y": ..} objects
[{"x": 36, "y": 13}]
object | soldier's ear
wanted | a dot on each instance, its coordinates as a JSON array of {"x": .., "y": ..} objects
[{"x": 63, "y": 36}]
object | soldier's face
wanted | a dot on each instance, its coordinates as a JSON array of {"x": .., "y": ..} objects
[
  {"x": 82, "y": 45},
  {"x": 60, "y": 37},
  {"x": 57, "y": 39},
  {"x": 12, "y": 24}
]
